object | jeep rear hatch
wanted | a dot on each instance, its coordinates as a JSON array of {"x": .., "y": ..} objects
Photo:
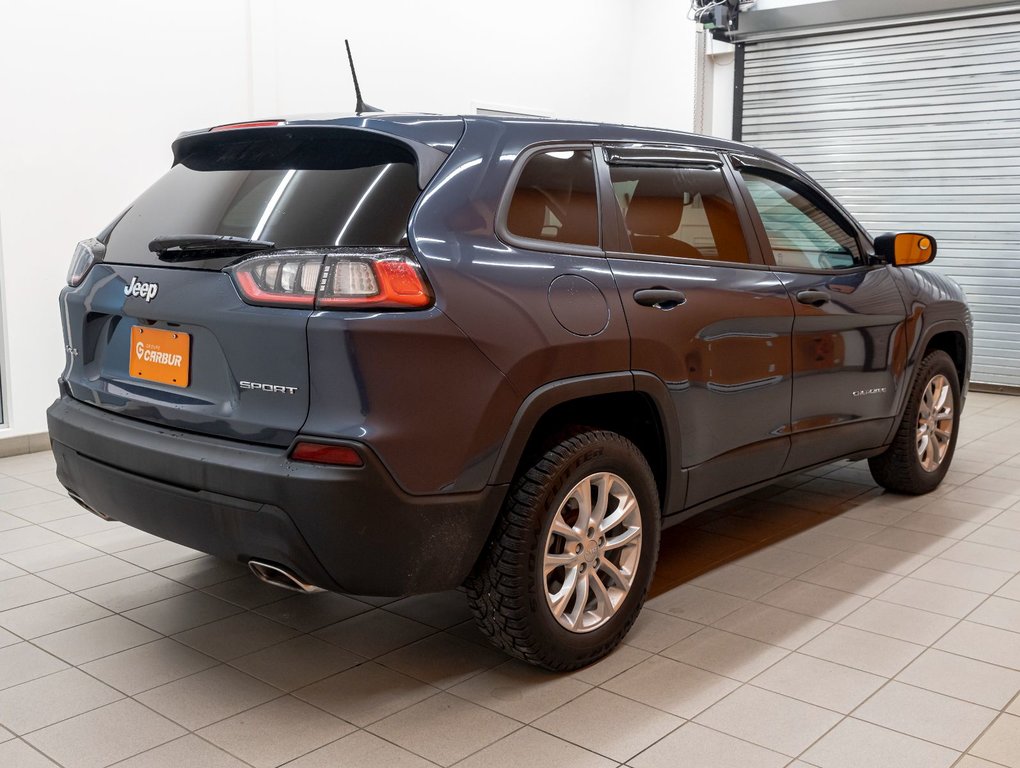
[{"x": 162, "y": 332}]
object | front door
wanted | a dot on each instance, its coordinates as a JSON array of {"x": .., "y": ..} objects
[
  {"x": 848, "y": 335},
  {"x": 706, "y": 316}
]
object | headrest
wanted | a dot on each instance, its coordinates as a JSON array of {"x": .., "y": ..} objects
[
  {"x": 526, "y": 217},
  {"x": 653, "y": 215}
]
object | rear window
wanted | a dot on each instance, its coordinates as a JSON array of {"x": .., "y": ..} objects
[
  {"x": 555, "y": 199},
  {"x": 295, "y": 189}
]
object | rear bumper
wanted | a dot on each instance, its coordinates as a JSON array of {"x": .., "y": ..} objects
[{"x": 344, "y": 529}]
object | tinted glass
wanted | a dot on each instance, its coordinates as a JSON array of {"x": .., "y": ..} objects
[
  {"x": 296, "y": 190},
  {"x": 555, "y": 199},
  {"x": 682, "y": 212},
  {"x": 800, "y": 232}
]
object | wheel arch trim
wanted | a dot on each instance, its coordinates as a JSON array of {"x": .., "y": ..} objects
[
  {"x": 929, "y": 333},
  {"x": 542, "y": 400}
]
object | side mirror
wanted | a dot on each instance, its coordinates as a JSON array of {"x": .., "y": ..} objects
[{"x": 906, "y": 249}]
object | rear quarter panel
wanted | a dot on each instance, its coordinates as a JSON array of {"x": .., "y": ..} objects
[{"x": 496, "y": 293}]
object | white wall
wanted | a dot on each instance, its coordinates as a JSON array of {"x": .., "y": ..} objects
[
  {"x": 92, "y": 94},
  {"x": 720, "y": 66},
  {"x": 660, "y": 82}
]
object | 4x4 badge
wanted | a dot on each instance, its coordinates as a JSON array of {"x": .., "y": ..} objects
[{"x": 145, "y": 291}]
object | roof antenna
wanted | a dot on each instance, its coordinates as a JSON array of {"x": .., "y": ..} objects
[{"x": 360, "y": 106}]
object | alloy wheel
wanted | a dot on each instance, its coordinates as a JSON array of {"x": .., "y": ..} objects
[
  {"x": 592, "y": 552},
  {"x": 935, "y": 423}
]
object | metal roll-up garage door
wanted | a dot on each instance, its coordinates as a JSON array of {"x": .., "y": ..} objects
[{"x": 913, "y": 127}]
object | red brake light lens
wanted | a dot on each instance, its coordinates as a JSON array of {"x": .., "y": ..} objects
[
  {"x": 390, "y": 279},
  {"x": 252, "y": 124},
  {"x": 279, "y": 280},
  {"x": 321, "y": 453},
  {"x": 382, "y": 278}
]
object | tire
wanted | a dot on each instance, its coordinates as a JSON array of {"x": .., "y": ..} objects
[
  {"x": 509, "y": 592},
  {"x": 912, "y": 465}
]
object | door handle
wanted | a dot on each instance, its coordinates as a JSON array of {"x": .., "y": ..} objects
[
  {"x": 814, "y": 298},
  {"x": 660, "y": 298}
]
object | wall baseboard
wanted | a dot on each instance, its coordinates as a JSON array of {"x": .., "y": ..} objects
[
  {"x": 15, "y": 446},
  {"x": 994, "y": 389}
]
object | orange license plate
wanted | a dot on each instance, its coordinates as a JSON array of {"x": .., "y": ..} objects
[{"x": 163, "y": 356}]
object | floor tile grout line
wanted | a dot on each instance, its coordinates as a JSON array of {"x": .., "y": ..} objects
[
  {"x": 955, "y": 586},
  {"x": 683, "y": 720},
  {"x": 886, "y": 684},
  {"x": 522, "y": 727},
  {"x": 946, "y": 695},
  {"x": 128, "y": 618},
  {"x": 284, "y": 695},
  {"x": 850, "y": 716},
  {"x": 33, "y": 747},
  {"x": 121, "y": 697},
  {"x": 85, "y": 589},
  {"x": 178, "y": 738},
  {"x": 124, "y": 698},
  {"x": 985, "y": 759},
  {"x": 841, "y": 715},
  {"x": 691, "y": 721}
]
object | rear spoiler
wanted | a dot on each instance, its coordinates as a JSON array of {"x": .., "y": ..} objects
[{"x": 428, "y": 159}]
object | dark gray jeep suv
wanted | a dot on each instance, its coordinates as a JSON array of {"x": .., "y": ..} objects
[{"x": 394, "y": 354}]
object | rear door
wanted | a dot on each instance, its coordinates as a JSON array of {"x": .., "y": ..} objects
[
  {"x": 242, "y": 370},
  {"x": 706, "y": 316},
  {"x": 849, "y": 350}
]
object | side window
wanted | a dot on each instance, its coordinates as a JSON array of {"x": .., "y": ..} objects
[
  {"x": 682, "y": 212},
  {"x": 555, "y": 199},
  {"x": 800, "y": 232}
]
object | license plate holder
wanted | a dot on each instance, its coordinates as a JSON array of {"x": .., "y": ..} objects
[{"x": 161, "y": 356}]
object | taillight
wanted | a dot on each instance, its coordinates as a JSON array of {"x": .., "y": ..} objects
[
  {"x": 388, "y": 279},
  {"x": 286, "y": 279},
  {"x": 354, "y": 278},
  {"x": 86, "y": 253}
]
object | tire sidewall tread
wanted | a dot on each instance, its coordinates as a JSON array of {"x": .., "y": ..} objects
[
  {"x": 899, "y": 468},
  {"x": 505, "y": 590}
]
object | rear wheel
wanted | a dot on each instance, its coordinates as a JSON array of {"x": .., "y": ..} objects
[
  {"x": 923, "y": 447},
  {"x": 572, "y": 555}
]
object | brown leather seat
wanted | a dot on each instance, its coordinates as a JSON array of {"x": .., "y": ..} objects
[
  {"x": 651, "y": 220},
  {"x": 577, "y": 214},
  {"x": 526, "y": 217}
]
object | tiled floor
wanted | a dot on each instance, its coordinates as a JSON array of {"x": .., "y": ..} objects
[{"x": 819, "y": 622}]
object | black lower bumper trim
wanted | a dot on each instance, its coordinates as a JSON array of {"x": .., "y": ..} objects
[{"x": 349, "y": 530}]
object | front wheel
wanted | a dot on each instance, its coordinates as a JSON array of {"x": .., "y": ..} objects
[
  {"x": 922, "y": 449},
  {"x": 572, "y": 555}
]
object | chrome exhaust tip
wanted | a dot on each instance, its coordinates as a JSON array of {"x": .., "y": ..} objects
[
  {"x": 281, "y": 577},
  {"x": 81, "y": 502}
]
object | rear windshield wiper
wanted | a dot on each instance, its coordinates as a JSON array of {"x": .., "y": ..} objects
[{"x": 185, "y": 247}]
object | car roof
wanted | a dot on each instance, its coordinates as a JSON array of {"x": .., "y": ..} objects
[{"x": 443, "y": 131}]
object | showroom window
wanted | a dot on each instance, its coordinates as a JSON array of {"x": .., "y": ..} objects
[
  {"x": 680, "y": 212},
  {"x": 555, "y": 199},
  {"x": 801, "y": 233}
]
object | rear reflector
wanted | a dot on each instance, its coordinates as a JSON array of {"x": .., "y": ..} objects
[
  {"x": 253, "y": 124},
  {"x": 320, "y": 453}
]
